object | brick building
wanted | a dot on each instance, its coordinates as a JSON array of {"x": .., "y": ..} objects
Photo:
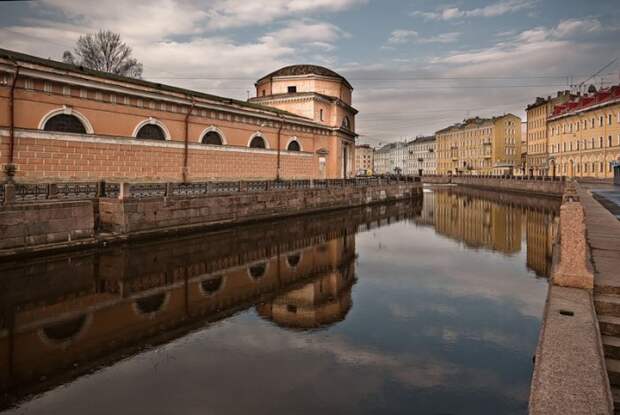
[{"x": 62, "y": 122}]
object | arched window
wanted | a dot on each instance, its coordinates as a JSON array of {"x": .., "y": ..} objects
[
  {"x": 213, "y": 138},
  {"x": 151, "y": 304},
  {"x": 293, "y": 260},
  {"x": 65, "y": 330},
  {"x": 293, "y": 146},
  {"x": 258, "y": 142},
  {"x": 65, "y": 123},
  {"x": 258, "y": 270},
  {"x": 211, "y": 285},
  {"x": 151, "y": 132},
  {"x": 346, "y": 123}
]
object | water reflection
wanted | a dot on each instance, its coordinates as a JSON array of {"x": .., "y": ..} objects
[{"x": 391, "y": 308}]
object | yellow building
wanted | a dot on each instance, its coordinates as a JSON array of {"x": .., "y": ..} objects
[
  {"x": 364, "y": 160},
  {"x": 584, "y": 135},
  {"x": 477, "y": 222},
  {"x": 480, "y": 146},
  {"x": 537, "y": 139}
]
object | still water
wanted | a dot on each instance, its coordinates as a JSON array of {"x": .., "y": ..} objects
[{"x": 430, "y": 307}]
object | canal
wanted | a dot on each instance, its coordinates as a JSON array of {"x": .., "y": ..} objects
[{"x": 429, "y": 306}]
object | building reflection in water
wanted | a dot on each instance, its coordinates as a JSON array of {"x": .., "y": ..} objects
[
  {"x": 63, "y": 316},
  {"x": 496, "y": 221},
  {"x": 66, "y": 315}
]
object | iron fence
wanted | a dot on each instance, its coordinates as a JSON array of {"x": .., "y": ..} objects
[{"x": 25, "y": 193}]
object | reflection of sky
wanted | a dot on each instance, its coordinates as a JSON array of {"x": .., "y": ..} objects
[{"x": 434, "y": 328}]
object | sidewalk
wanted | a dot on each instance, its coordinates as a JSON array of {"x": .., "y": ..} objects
[{"x": 608, "y": 196}]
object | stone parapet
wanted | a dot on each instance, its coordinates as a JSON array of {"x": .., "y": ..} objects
[
  {"x": 541, "y": 185},
  {"x": 163, "y": 214}
]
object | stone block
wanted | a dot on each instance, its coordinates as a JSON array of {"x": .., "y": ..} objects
[{"x": 573, "y": 268}]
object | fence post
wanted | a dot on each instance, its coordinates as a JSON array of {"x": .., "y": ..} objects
[
  {"x": 169, "y": 189},
  {"x": 124, "y": 192},
  {"x": 100, "y": 188},
  {"x": 52, "y": 190},
  {"x": 9, "y": 193}
]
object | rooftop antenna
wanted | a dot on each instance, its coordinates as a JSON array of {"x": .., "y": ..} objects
[{"x": 582, "y": 84}]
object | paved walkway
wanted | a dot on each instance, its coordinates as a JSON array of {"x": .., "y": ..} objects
[
  {"x": 608, "y": 196},
  {"x": 602, "y": 210}
]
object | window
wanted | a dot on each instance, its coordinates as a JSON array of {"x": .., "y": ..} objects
[
  {"x": 256, "y": 271},
  {"x": 292, "y": 89},
  {"x": 211, "y": 285},
  {"x": 293, "y": 260},
  {"x": 609, "y": 117},
  {"x": 151, "y": 304},
  {"x": 321, "y": 114},
  {"x": 65, "y": 123},
  {"x": 601, "y": 142},
  {"x": 264, "y": 92},
  {"x": 601, "y": 121},
  {"x": 346, "y": 123},
  {"x": 212, "y": 138},
  {"x": 293, "y": 146},
  {"x": 151, "y": 132},
  {"x": 258, "y": 142},
  {"x": 609, "y": 144}
]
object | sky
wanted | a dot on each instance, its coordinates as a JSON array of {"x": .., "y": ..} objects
[{"x": 416, "y": 66}]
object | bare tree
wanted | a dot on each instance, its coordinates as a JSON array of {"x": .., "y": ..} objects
[{"x": 104, "y": 51}]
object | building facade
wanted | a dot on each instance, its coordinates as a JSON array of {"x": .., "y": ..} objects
[
  {"x": 584, "y": 135},
  {"x": 62, "y": 122},
  {"x": 421, "y": 156},
  {"x": 319, "y": 94},
  {"x": 480, "y": 146},
  {"x": 364, "y": 160},
  {"x": 391, "y": 158},
  {"x": 537, "y": 135}
]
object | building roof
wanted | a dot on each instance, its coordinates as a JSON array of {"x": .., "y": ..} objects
[
  {"x": 22, "y": 57},
  {"x": 474, "y": 120},
  {"x": 419, "y": 140},
  {"x": 603, "y": 97},
  {"x": 329, "y": 98},
  {"x": 540, "y": 100},
  {"x": 297, "y": 70}
]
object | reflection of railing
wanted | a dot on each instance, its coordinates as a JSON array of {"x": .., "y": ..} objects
[{"x": 36, "y": 192}]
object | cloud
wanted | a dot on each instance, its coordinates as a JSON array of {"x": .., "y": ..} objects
[
  {"x": 312, "y": 33},
  {"x": 572, "y": 27},
  {"x": 237, "y": 13},
  {"x": 406, "y": 36},
  {"x": 492, "y": 10}
]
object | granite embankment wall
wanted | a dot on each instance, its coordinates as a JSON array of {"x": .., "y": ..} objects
[
  {"x": 543, "y": 186},
  {"x": 46, "y": 224},
  {"x": 37, "y": 218},
  {"x": 550, "y": 186},
  {"x": 132, "y": 216}
]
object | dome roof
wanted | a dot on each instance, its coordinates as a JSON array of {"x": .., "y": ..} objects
[{"x": 295, "y": 70}]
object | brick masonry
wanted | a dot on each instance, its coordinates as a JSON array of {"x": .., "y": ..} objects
[
  {"x": 38, "y": 224},
  {"x": 64, "y": 158}
]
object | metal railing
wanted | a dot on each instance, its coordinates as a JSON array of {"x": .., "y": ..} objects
[{"x": 32, "y": 193}]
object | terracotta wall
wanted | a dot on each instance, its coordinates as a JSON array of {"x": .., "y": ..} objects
[{"x": 52, "y": 156}]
